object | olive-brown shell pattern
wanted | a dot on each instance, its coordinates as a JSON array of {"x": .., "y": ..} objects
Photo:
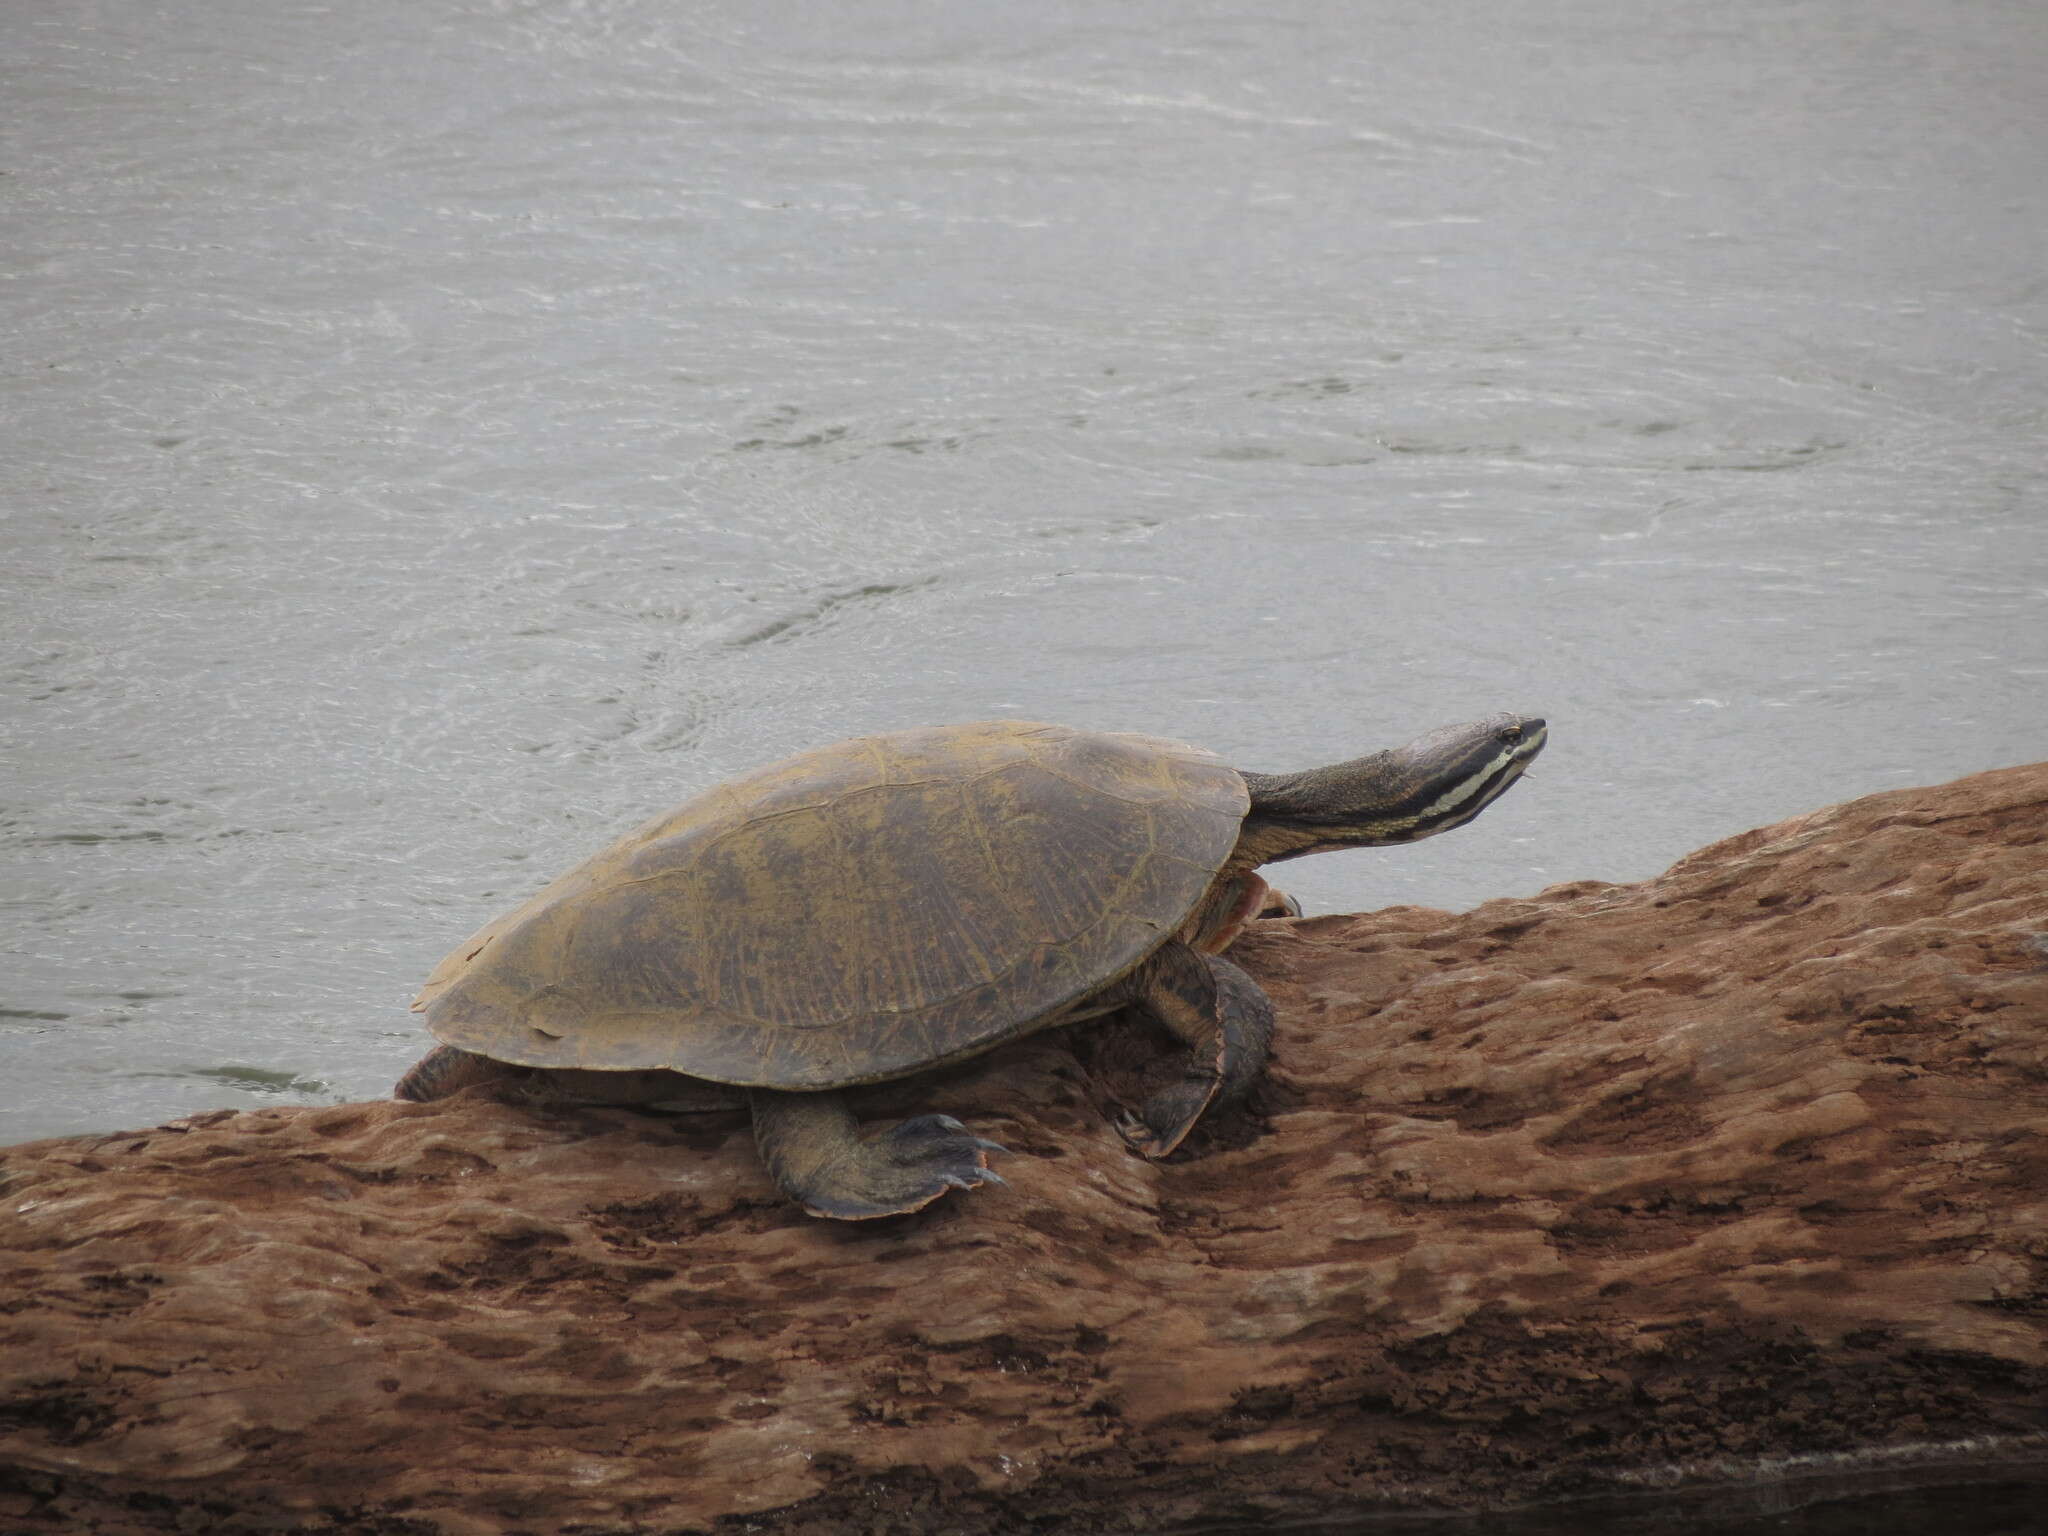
[{"x": 856, "y": 912}]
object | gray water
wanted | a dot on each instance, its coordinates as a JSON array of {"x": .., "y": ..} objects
[{"x": 440, "y": 435}]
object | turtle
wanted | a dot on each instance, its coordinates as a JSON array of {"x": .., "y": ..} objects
[{"x": 875, "y": 908}]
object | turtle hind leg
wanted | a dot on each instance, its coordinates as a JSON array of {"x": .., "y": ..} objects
[
  {"x": 445, "y": 1070},
  {"x": 1223, "y": 1017},
  {"x": 817, "y": 1156}
]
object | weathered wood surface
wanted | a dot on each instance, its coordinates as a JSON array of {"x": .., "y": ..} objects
[{"x": 1611, "y": 1188}]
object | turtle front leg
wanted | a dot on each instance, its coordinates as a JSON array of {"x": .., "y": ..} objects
[
  {"x": 1223, "y": 1017},
  {"x": 817, "y": 1156},
  {"x": 1278, "y": 903},
  {"x": 1233, "y": 905}
]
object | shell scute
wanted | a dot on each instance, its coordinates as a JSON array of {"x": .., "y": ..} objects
[{"x": 853, "y": 913}]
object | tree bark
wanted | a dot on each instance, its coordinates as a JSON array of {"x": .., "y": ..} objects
[{"x": 1730, "y": 1176}]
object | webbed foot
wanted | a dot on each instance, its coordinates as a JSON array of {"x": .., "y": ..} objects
[
  {"x": 1157, "y": 1129},
  {"x": 1225, "y": 1020},
  {"x": 903, "y": 1169},
  {"x": 811, "y": 1147}
]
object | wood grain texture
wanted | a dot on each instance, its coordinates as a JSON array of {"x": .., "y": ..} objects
[{"x": 1610, "y": 1189}]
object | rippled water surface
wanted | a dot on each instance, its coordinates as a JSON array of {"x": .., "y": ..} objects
[{"x": 441, "y": 435}]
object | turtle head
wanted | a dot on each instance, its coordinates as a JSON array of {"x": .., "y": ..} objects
[{"x": 1436, "y": 782}]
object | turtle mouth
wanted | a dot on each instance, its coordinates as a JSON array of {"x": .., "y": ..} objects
[
  {"x": 1477, "y": 791},
  {"x": 1518, "y": 742},
  {"x": 1496, "y": 783},
  {"x": 1535, "y": 736}
]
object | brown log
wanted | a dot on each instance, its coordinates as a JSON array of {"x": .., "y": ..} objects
[{"x": 1730, "y": 1174}]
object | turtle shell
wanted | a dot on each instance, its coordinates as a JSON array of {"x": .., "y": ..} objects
[{"x": 856, "y": 912}]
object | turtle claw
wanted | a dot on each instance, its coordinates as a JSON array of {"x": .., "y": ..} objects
[
  {"x": 1147, "y": 1140},
  {"x": 931, "y": 1154},
  {"x": 1278, "y": 904},
  {"x": 1139, "y": 1136},
  {"x": 987, "y": 1176}
]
